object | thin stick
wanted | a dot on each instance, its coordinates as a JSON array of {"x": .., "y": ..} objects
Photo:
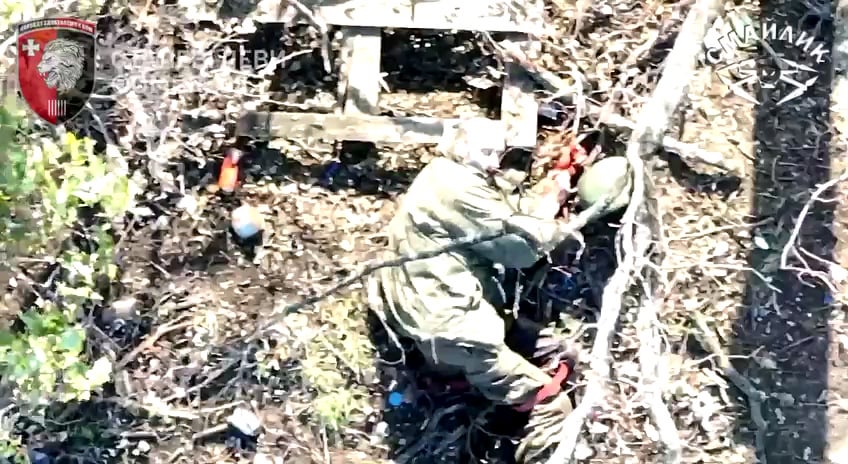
[
  {"x": 654, "y": 120},
  {"x": 570, "y": 228},
  {"x": 755, "y": 397},
  {"x": 209, "y": 432},
  {"x": 650, "y": 351},
  {"x": 560, "y": 88},
  {"x": 151, "y": 340},
  {"x": 791, "y": 247},
  {"x": 322, "y": 28}
]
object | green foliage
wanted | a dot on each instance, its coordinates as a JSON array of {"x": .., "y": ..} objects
[
  {"x": 41, "y": 196},
  {"x": 332, "y": 359},
  {"x": 49, "y": 182},
  {"x": 14, "y": 11},
  {"x": 43, "y": 184}
]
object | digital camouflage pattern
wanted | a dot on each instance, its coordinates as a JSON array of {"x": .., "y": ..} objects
[{"x": 452, "y": 305}]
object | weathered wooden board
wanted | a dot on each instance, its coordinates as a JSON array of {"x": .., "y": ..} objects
[
  {"x": 359, "y": 88},
  {"x": 471, "y": 15},
  {"x": 519, "y": 108},
  {"x": 362, "y": 91},
  {"x": 359, "y": 128}
]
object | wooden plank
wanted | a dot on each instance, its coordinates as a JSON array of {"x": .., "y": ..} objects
[
  {"x": 363, "y": 70},
  {"x": 472, "y": 15},
  {"x": 359, "y": 128},
  {"x": 345, "y": 58},
  {"x": 519, "y": 108}
]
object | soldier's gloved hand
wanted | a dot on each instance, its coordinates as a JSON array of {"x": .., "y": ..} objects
[
  {"x": 556, "y": 188},
  {"x": 544, "y": 427},
  {"x": 548, "y": 391}
]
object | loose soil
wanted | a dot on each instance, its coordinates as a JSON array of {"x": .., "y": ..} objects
[{"x": 327, "y": 206}]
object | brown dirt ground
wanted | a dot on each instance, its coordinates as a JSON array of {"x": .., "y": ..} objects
[{"x": 184, "y": 265}]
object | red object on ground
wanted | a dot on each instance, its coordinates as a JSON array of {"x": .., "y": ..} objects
[
  {"x": 228, "y": 179},
  {"x": 548, "y": 390},
  {"x": 573, "y": 160}
]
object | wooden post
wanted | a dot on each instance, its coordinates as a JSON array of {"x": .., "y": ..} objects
[
  {"x": 519, "y": 108},
  {"x": 363, "y": 45}
]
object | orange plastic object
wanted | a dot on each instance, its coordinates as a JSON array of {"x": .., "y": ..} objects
[
  {"x": 573, "y": 160},
  {"x": 228, "y": 179}
]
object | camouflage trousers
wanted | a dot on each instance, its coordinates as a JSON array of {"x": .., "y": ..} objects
[{"x": 502, "y": 373}]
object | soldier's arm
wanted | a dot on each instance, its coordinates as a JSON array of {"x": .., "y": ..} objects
[{"x": 528, "y": 237}]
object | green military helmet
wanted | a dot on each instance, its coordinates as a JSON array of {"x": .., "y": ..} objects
[{"x": 609, "y": 176}]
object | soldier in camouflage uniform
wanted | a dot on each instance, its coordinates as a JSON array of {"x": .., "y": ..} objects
[{"x": 452, "y": 305}]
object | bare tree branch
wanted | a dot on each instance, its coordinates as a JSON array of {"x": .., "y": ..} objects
[
  {"x": 571, "y": 228},
  {"x": 755, "y": 397},
  {"x": 650, "y": 352},
  {"x": 560, "y": 88},
  {"x": 795, "y": 250},
  {"x": 634, "y": 235}
]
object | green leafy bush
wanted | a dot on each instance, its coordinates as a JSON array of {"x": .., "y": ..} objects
[{"x": 41, "y": 196}]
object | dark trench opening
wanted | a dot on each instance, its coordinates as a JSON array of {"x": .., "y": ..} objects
[{"x": 791, "y": 327}]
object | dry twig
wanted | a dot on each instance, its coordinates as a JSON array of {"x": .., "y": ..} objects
[
  {"x": 793, "y": 248},
  {"x": 572, "y": 227},
  {"x": 755, "y": 397},
  {"x": 650, "y": 350},
  {"x": 635, "y": 236},
  {"x": 560, "y": 88},
  {"x": 151, "y": 340},
  {"x": 322, "y": 28}
]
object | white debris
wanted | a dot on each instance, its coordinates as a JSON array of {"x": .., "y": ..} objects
[
  {"x": 188, "y": 204},
  {"x": 245, "y": 421},
  {"x": 761, "y": 243},
  {"x": 838, "y": 273},
  {"x": 582, "y": 451},
  {"x": 246, "y": 221},
  {"x": 721, "y": 248}
]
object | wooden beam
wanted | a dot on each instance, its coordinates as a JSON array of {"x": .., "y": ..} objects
[
  {"x": 470, "y": 15},
  {"x": 363, "y": 48},
  {"x": 359, "y": 128},
  {"x": 519, "y": 108}
]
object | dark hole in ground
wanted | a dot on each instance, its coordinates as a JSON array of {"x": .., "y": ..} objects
[
  {"x": 792, "y": 158},
  {"x": 303, "y": 76},
  {"x": 419, "y": 62}
]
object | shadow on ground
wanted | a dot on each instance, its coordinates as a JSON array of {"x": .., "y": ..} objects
[
  {"x": 790, "y": 327},
  {"x": 79, "y": 433},
  {"x": 439, "y": 420}
]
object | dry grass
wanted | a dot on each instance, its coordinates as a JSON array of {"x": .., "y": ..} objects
[{"x": 314, "y": 379}]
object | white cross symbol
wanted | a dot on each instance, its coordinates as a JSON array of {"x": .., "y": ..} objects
[{"x": 31, "y": 47}]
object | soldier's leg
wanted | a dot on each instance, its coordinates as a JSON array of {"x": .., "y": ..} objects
[{"x": 483, "y": 357}]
